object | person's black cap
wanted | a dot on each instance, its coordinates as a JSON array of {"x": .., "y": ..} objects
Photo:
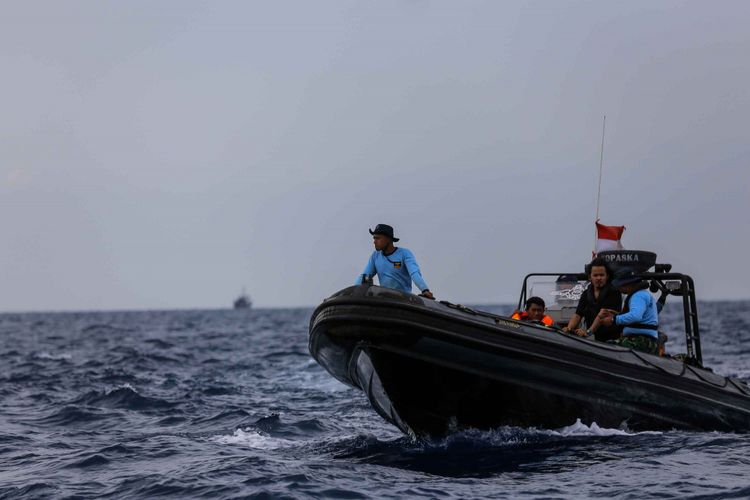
[
  {"x": 625, "y": 276},
  {"x": 385, "y": 230}
]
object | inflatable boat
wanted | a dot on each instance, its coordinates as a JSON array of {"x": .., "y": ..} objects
[{"x": 431, "y": 368}]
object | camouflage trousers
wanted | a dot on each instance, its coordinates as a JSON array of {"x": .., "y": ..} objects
[{"x": 642, "y": 343}]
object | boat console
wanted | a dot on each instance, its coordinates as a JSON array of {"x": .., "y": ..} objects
[{"x": 561, "y": 291}]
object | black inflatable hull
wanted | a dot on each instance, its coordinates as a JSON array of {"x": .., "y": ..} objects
[{"x": 431, "y": 368}]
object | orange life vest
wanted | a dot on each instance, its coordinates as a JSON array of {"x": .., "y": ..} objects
[{"x": 524, "y": 316}]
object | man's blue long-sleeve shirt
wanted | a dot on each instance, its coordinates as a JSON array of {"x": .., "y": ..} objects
[
  {"x": 396, "y": 270},
  {"x": 642, "y": 310}
]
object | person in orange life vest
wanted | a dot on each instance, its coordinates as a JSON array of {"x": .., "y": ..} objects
[{"x": 534, "y": 312}]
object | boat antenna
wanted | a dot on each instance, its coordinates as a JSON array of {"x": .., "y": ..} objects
[{"x": 599, "y": 191}]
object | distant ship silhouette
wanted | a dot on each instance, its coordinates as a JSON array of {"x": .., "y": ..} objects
[{"x": 243, "y": 301}]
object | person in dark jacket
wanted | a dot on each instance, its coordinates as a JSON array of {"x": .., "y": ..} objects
[{"x": 599, "y": 295}]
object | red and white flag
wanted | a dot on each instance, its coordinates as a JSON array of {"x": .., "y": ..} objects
[{"x": 608, "y": 237}]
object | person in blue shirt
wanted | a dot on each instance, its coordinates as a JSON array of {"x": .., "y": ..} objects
[
  {"x": 639, "y": 317},
  {"x": 395, "y": 267}
]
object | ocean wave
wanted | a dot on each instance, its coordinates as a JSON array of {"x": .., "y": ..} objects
[
  {"x": 104, "y": 328},
  {"x": 159, "y": 343},
  {"x": 117, "y": 449},
  {"x": 171, "y": 420},
  {"x": 26, "y": 372},
  {"x": 234, "y": 418},
  {"x": 219, "y": 390},
  {"x": 302, "y": 429},
  {"x": 148, "y": 359},
  {"x": 89, "y": 461},
  {"x": 13, "y": 439},
  {"x": 122, "y": 397},
  {"x": 74, "y": 415},
  {"x": 54, "y": 357},
  {"x": 252, "y": 438},
  {"x": 33, "y": 490},
  {"x": 285, "y": 353}
]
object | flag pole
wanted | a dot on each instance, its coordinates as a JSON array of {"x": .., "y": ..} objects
[{"x": 599, "y": 191}]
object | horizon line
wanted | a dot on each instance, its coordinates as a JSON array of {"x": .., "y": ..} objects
[{"x": 263, "y": 308}]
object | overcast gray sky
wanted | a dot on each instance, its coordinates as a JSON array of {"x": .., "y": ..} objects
[{"x": 166, "y": 154}]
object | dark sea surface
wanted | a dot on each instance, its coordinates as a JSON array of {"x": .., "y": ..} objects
[{"x": 229, "y": 404}]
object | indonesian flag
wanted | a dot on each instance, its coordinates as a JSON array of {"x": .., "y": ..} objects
[{"x": 608, "y": 237}]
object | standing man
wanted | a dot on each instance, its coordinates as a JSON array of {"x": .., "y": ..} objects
[
  {"x": 395, "y": 267},
  {"x": 599, "y": 295},
  {"x": 639, "y": 317}
]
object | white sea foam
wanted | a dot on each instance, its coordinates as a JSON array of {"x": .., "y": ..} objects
[
  {"x": 54, "y": 357},
  {"x": 122, "y": 386},
  {"x": 581, "y": 429},
  {"x": 506, "y": 435},
  {"x": 254, "y": 439}
]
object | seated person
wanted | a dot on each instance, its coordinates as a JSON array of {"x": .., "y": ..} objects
[
  {"x": 599, "y": 295},
  {"x": 534, "y": 312},
  {"x": 639, "y": 317}
]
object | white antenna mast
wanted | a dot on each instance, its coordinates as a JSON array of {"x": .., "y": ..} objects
[{"x": 599, "y": 191}]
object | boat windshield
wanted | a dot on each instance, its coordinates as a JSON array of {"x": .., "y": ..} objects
[{"x": 560, "y": 293}]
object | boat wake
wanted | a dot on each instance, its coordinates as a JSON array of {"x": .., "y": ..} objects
[
  {"x": 581, "y": 429},
  {"x": 479, "y": 453}
]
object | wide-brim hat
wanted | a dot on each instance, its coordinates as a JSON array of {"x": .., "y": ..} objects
[
  {"x": 625, "y": 276},
  {"x": 385, "y": 230}
]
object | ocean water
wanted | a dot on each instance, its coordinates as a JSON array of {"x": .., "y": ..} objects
[{"x": 229, "y": 404}]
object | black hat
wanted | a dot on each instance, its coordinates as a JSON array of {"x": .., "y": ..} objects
[
  {"x": 385, "y": 230},
  {"x": 625, "y": 276}
]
